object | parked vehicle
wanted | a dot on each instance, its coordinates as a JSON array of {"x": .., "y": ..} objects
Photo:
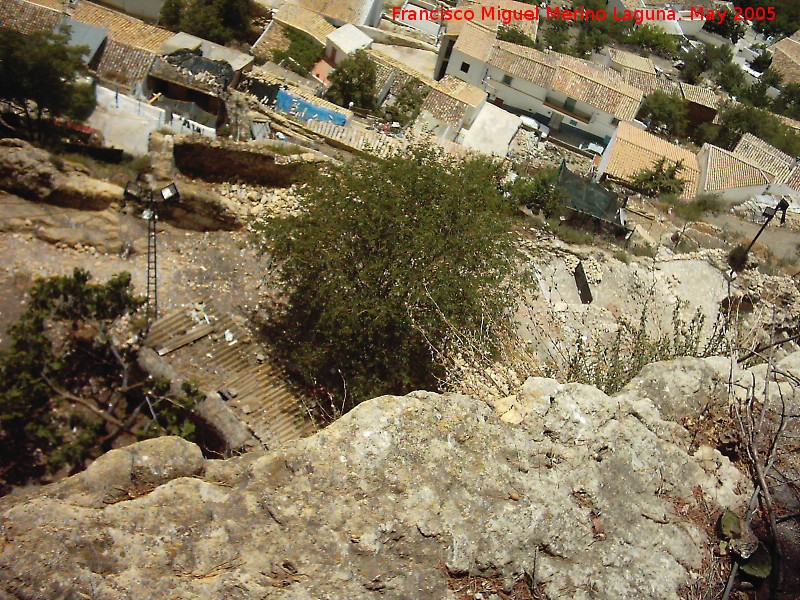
[
  {"x": 592, "y": 147},
  {"x": 533, "y": 125}
]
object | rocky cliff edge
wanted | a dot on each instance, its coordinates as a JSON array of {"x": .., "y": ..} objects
[{"x": 578, "y": 493}]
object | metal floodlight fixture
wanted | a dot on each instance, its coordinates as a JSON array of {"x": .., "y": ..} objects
[
  {"x": 133, "y": 191},
  {"x": 170, "y": 193},
  {"x": 769, "y": 212},
  {"x": 783, "y": 206}
]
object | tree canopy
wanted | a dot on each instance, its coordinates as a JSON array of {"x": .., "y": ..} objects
[
  {"x": 41, "y": 74},
  {"x": 515, "y": 35},
  {"x": 354, "y": 80},
  {"x": 661, "y": 179},
  {"x": 215, "y": 20},
  {"x": 666, "y": 112},
  {"x": 301, "y": 55},
  {"x": 736, "y": 120},
  {"x": 67, "y": 390},
  {"x": 390, "y": 258}
]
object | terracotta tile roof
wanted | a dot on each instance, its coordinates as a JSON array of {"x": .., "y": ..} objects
[
  {"x": 766, "y": 156},
  {"x": 391, "y": 62},
  {"x": 349, "y": 11},
  {"x": 725, "y": 170},
  {"x": 632, "y": 61},
  {"x": 649, "y": 83},
  {"x": 305, "y": 20},
  {"x": 444, "y": 108},
  {"x": 122, "y": 28},
  {"x": 526, "y": 63},
  {"x": 124, "y": 65},
  {"x": 700, "y": 95},
  {"x": 635, "y": 149},
  {"x": 54, "y": 4},
  {"x": 599, "y": 87},
  {"x": 475, "y": 41},
  {"x": 273, "y": 38},
  {"x": 461, "y": 90},
  {"x": 28, "y": 18},
  {"x": 530, "y": 28},
  {"x": 793, "y": 180},
  {"x": 604, "y": 90},
  {"x": 786, "y": 58}
]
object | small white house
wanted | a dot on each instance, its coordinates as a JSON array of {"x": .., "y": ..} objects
[{"x": 345, "y": 41}]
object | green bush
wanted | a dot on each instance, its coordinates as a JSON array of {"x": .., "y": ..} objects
[
  {"x": 515, "y": 35},
  {"x": 389, "y": 257},
  {"x": 301, "y": 55}
]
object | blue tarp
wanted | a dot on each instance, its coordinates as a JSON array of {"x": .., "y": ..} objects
[{"x": 306, "y": 110}]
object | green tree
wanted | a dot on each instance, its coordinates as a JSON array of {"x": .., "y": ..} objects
[
  {"x": 354, "y": 81},
  {"x": 42, "y": 75},
  {"x": 729, "y": 28},
  {"x": 407, "y": 104},
  {"x": 390, "y": 258},
  {"x": 761, "y": 62},
  {"x": 515, "y": 35},
  {"x": 788, "y": 102},
  {"x": 666, "y": 112},
  {"x": 661, "y": 179},
  {"x": 556, "y": 35},
  {"x": 62, "y": 374},
  {"x": 735, "y": 121},
  {"x": 301, "y": 55},
  {"x": 215, "y": 20},
  {"x": 539, "y": 192},
  {"x": 652, "y": 38},
  {"x": 787, "y": 16},
  {"x": 772, "y": 78},
  {"x": 731, "y": 78}
]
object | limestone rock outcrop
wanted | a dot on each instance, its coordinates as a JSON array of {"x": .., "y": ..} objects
[
  {"x": 591, "y": 496},
  {"x": 29, "y": 172}
]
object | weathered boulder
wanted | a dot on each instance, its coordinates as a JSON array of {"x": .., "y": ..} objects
[
  {"x": 26, "y": 170},
  {"x": 31, "y": 173},
  {"x": 391, "y": 501}
]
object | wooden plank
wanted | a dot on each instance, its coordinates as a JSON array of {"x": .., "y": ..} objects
[{"x": 192, "y": 336}]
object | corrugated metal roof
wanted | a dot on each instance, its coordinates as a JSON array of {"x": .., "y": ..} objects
[
  {"x": 208, "y": 347},
  {"x": 82, "y": 34},
  {"x": 634, "y": 150}
]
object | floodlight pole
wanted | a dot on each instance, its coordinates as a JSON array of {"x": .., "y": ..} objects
[
  {"x": 770, "y": 213},
  {"x": 151, "y": 314}
]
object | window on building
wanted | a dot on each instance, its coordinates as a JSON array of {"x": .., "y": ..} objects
[
  {"x": 569, "y": 104},
  {"x": 615, "y": 121},
  {"x": 464, "y": 67},
  {"x": 507, "y": 79}
]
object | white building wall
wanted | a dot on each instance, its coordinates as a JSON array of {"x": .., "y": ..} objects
[
  {"x": 373, "y": 18},
  {"x": 477, "y": 69},
  {"x": 526, "y": 96}
]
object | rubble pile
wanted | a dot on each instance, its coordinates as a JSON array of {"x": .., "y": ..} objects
[{"x": 262, "y": 202}]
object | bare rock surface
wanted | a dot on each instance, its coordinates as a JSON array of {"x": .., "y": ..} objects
[
  {"x": 579, "y": 490},
  {"x": 29, "y": 172}
]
